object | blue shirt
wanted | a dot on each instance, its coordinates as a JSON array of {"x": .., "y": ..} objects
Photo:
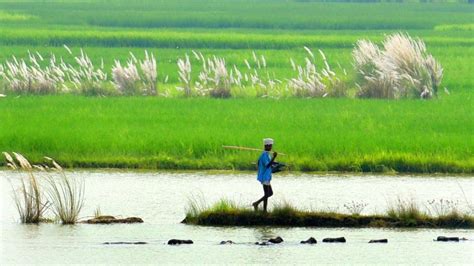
[{"x": 264, "y": 172}]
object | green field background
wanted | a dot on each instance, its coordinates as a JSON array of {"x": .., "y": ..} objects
[{"x": 318, "y": 134}]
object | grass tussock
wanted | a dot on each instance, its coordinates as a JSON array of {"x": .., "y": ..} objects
[
  {"x": 402, "y": 214},
  {"x": 29, "y": 197},
  {"x": 66, "y": 196},
  {"x": 62, "y": 195},
  {"x": 402, "y": 69}
]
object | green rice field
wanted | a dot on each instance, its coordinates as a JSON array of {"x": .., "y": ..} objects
[
  {"x": 317, "y": 134},
  {"x": 347, "y": 134}
]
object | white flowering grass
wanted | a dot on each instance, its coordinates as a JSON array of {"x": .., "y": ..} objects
[
  {"x": 314, "y": 82},
  {"x": 400, "y": 69}
]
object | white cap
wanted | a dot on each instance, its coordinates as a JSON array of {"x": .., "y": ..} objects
[{"x": 268, "y": 141}]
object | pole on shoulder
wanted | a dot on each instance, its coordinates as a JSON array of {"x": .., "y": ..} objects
[{"x": 245, "y": 148}]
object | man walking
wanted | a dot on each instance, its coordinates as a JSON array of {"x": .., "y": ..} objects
[{"x": 265, "y": 173}]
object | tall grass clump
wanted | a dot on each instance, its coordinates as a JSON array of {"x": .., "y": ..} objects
[
  {"x": 259, "y": 77},
  {"x": 136, "y": 77},
  {"x": 29, "y": 199},
  {"x": 66, "y": 195},
  {"x": 29, "y": 77},
  {"x": 87, "y": 78},
  {"x": 195, "y": 206},
  {"x": 214, "y": 78},
  {"x": 406, "y": 211},
  {"x": 39, "y": 76},
  {"x": 63, "y": 196},
  {"x": 401, "y": 69},
  {"x": 313, "y": 83},
  {"x": 184, "y": 76}
]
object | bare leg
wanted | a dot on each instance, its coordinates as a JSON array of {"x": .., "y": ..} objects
[
  {"x": 255, "y": 204},
  {"x": 268, "y": 193}
]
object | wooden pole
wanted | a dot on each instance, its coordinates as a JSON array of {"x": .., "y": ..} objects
[{"x": 245, "y": 149}]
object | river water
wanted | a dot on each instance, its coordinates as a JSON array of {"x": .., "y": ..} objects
[{"x": 161, "y": 198}]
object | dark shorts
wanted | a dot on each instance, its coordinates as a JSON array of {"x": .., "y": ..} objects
[{"x": 267, "y": 189}]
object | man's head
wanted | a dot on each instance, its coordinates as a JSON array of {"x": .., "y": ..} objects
[{"x": 268, "y": 144}]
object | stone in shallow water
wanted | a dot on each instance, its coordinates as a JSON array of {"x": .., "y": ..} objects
[
  {"x": 125, "y": 243},
  {"x": 335, "y": 240},
  {"x": 379, "y": 241},
  {"x": 227, "y": 242},
  {"x": 107, "y": 219},
  {"x": 179, "y": 242},
  {"x": 450, "y": 239},
  {"x": 276, "y": 240},
  {"x": 310, "y": 240}
]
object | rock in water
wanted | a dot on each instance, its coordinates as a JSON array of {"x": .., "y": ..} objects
[
  {"x": 227, "y": 242},
  {"x": 107, "y": 219},
  {"x": 276, "y": 240},
  {"x": 449, "y": 239},
  {"x": 378, "y": 241},
  {"x": 125, "y": 243},
  {"x": 179, "y": 242},
  {"x": 335, "y": 240},
  {"x": 310, "y": 240}
]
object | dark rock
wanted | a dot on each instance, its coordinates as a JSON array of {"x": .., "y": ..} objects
[
  {"x": 450, "y": 239},
  {"x": 107, "y": 219},
  {"x": 227, "y": 242},
  {"x": 179, "y": 242},
  {"x": 125, "y": 243},
  {"x": 310, "y": 240},
  {"x": 335, "y": 240},
  {"x": 276, "y": 240},
  {"x": 378, "y": 241}
]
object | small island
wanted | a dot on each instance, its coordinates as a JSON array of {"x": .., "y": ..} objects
[{"x": 226, "y": 213}]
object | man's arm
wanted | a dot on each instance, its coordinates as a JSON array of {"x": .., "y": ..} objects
[{"x": 272, "y": 160}]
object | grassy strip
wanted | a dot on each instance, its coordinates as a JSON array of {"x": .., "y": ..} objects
[
  {"x": 239, "y": 14},
  {"x": 225, "y": 213},
  {"x": 318, "y": 134},
  {"x": 190, "y": 39}
]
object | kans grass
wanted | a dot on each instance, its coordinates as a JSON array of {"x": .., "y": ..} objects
[
  {"x": 45, "y": 188},
  {"x": 401, "y": 214}
]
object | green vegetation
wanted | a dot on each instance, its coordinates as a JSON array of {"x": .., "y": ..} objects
[
  {"x": 227, "y": 213},
  {"x": 320, "y": 135},
  {"x": 243, "y": 14},
  {"x": 317, "y": 134}
]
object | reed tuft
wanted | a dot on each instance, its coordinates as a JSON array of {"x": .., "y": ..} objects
[
  {"x": 29, "y": 199},
  {"x": 402, "y": 69},
  {"x": 66, "y": 196}
]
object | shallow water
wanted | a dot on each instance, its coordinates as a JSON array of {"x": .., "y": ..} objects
[{"x": 160, "y": 199}]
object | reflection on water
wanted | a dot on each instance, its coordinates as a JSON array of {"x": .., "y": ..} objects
[{"x": 160, "y": 199}]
